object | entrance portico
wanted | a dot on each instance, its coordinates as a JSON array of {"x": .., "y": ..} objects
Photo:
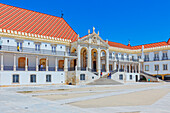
[{"x": 92, "y": 53}]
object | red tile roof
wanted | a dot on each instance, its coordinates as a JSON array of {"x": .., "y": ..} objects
[
  {"x": 168, "y": 42},
  {"x": 119, "y": 45},
  {"x": 18, "y": 19},
  {"x": 158, "y": 44}
]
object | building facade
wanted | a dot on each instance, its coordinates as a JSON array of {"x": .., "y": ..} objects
[{"x": 37, "y": 48}]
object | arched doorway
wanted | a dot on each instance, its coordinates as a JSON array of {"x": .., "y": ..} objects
[
  {"x": 61, "y": 65},
  {"x": 103, "y": 60},
  {"x": 42, "y": 65},
  {"x": 83, "y": 58},
  {"x": 142, "y": 78},
  {"x": 21, "y": 62},
  {"x": 159, "y": 76},
  {"x": 167, "y": 78},
  {"x": 73, "y": 51},
  {"x": 94, "y": 60},
  {"x": 73, "y": 64}
]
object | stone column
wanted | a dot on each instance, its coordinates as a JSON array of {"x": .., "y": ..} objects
[
  {"x": 66, "y": 64},
  {"x": 26, "y": 65},
  {"x": 107, "y": 60},
  {"x": 66, "y": 54},
  {"x": 129, "y": 69},
  {"x": 46, "y": 63},
  {"x": 78, "y": 57},
  {"x": 2, "y": 62},
  {"x": 89, "y": 58},
  {"x": 37, "y": 63},
  {"x": 118, "y": 66},
  {"x": 114, "y": 66},
  {"x": 56, "y": 64},
  {"x": 135, "y": 71},
  {"x": 98, "y": 61},
  {"x": 139, "y": 68},
  {"x": 14, "y": 62},
  {"x": 125, "y": 68}
]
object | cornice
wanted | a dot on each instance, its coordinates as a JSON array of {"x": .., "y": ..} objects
[{"x": 33, "y": 37}]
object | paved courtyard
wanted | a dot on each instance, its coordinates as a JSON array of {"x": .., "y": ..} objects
[{"x": 127, "y": 98}]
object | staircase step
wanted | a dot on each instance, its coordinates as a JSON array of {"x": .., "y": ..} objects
[{"x": 104, "y": 81}]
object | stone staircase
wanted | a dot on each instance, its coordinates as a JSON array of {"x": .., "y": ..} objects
[
  {"x": 104, "y": 81},
  {"x": 149, "y": 76}
]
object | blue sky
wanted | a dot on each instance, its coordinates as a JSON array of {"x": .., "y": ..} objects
[{"x": 140, "y": 21}]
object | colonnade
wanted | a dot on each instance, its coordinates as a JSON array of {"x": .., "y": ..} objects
[{"x": 37, "y": 63}]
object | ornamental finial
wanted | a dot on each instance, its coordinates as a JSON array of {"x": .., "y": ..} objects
[{"x": 93, "y": 29}]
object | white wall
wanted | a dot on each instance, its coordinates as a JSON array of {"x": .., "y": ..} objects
[{"x": 24, "y": 77}]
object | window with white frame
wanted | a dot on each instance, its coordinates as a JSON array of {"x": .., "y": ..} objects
[
  {"x": 165, "y": 55},
  {"x": 15, "y": 78},
  {"x": 146, "y": 67},
  {"x": 19, "y": 46},
  {"x": 156, "y": 55},
  {"x": 48, "y": 78},
  {"x": 165, "y": 67},
  {"x": 37, "y": 47},
  {"x": 139, "y": 56},
  {"x": 82, "y": 76},
  {"x": 120, "y": 77},
  {"x": 156, "y": 67},
  {"x": 32, "y": 78},
  {"x": 130, "y": 77},
  {"x": 146, "y": 56},
  {"x": 53, "y": 48}
]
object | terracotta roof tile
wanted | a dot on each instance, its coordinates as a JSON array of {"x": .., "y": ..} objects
[
  {"x": 18, "y": 19},
  {"x": 119, "y": 45},
  {"x": 158, "y": 44}
]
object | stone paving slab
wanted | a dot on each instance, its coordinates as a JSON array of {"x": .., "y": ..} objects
[{"x": 12, "y": 102}]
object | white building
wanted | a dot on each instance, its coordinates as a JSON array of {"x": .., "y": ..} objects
[{"x": 37, "y": 48}]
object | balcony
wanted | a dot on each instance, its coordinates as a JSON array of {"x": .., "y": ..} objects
[
  {"x": 33, "y": 50},
  {"x": 156, "y": 59},
  {"x": 146, "y": 59},
  {"x": 165, "y": 58}
]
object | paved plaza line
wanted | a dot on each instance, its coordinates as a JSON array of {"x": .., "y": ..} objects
[{"x": 67, "y": 101}]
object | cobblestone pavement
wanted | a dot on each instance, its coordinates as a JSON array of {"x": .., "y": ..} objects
[{"x": 13, "y": 102}]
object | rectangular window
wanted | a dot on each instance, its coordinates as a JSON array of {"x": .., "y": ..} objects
[
  {"x": 48, "y": 78},
  {"x": 33, "y": 78},
  {"x": 53, "y": 48},
  {"x": 130, "y": 77},
  {"x": 156, "y": 67},
  {"x": 37, "y": 47},
  {"x": 15, "y": 78},
  {"x": 19, "y": 46},
  {"x": 82, "y": 76},
  {"x": 165, "y": 67},
  {"x": 139, "y": 57},
  {"x": 146, "y": 67}
]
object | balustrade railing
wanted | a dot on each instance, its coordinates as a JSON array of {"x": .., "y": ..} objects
[
  {"x": 8, "y": 68},
  {"x": 37, "y": 51}
]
